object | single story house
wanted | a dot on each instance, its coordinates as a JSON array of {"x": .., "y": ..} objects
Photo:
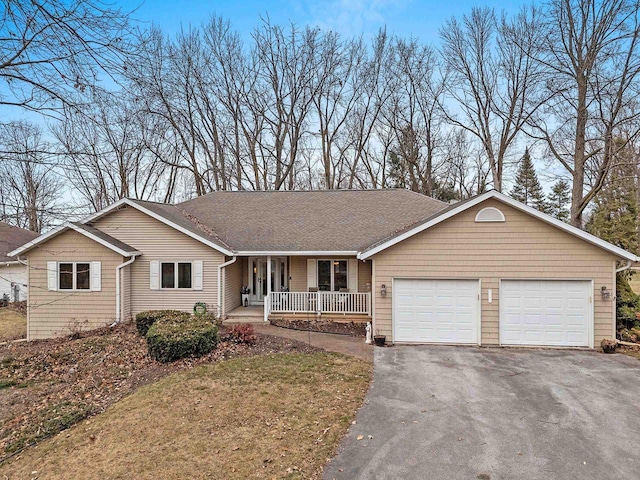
[
  {"x": 13, "y": 274},
  {"x": 485, "y": 271}
]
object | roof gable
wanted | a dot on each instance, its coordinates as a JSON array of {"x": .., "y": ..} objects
[
  {"x": 466, "y": 204},
  {"x": 170, "y": 215},
  {"x": 90, "y": 232}
]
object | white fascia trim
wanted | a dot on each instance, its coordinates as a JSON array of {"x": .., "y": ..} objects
[
  {"x": 63, "y": 227},
  {"x": 515, "y": 204},
  {"x": 27, "y": 246},
  {"x": 293, "y": 253},
  {"x": 99, "y": 240},
  {"x": 161, "y": 219}
]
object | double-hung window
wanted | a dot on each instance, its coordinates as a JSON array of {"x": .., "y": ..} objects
[
  {"x": 176, "y": 274},
  {"x": 74, "y": 276},
  {"x": 332, "y": 275}
]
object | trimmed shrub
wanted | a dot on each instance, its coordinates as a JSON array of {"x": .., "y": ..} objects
[
  {"x": 627, "y": 304},
  {"x": 242, "y": 333},
  {"x": 171, "y": 338},
  {"x": 144, "y": 320}
]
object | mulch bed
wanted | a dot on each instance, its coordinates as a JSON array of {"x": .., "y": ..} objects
[
  {"x": 322, "y": 326},
  {"x": 46, "y": 386}
]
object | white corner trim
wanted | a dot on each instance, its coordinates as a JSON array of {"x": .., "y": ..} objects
[
  {"x": 485, "y": 215},
  {"x": 61, "y": 228},
  {"x": 160, "y": 218},
  {"x": 513, "y": 203}
]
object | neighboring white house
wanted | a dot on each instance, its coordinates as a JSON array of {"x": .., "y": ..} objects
[{"x": 13, "y": 274}]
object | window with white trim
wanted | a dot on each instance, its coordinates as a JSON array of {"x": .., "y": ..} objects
[
  {"x": 176, "y": 274},
  {"x": 332, "y": 275},
  {"x": 74, "y": 276}
]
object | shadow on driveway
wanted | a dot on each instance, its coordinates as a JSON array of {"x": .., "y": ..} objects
[{"x": 437, "y": 412}]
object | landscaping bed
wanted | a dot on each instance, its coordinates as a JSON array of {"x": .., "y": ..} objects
[
  {"x": 273, "y": 416},
  {"x": 355, "y": 329},
  {"x": 48, "y": 385}
]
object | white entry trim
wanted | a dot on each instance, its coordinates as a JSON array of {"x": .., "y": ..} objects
[
  {"x": 591, "y": 325},
  {"x": 478, "y": 304}
]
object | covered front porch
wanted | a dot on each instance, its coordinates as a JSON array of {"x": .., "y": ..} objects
[{"x": 331, "y": 287}]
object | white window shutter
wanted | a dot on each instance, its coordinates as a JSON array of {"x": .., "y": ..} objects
[
  {"x": 312, "y": 273},
  {"x": 352, "y": 275},
  {"x": 196, "y": 283},
  {"x": 154, "y": 274},
  {"x": 52, "y": 275},
  {"x": 96, "y": 276}
]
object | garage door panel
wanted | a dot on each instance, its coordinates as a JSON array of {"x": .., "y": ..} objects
[
  {"x": 436, "y": 311},
  {"x": 545, "y": 312}
]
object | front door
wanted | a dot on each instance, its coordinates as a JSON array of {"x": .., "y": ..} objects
[{"x": 258, "y": 279}]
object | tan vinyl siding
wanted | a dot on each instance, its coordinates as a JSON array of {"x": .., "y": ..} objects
[
  {"x": 298, "y": 274},
  {"x": 158, "y": 241},
  {"x": 232, "y": 284},
  {"x": 521, "y": 247},
  {"x": 364, "y": 276},
  {"x": 56, "y": 313}
]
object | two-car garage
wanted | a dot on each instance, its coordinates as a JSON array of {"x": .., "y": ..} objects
[{"x": 532, "y": 312}]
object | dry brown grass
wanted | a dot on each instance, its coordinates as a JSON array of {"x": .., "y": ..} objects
[
  {"x": 13, "y": 325},
  {"x": 271, "y": 416}
]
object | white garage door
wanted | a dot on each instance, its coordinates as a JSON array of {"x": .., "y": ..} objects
[
  {"x": 436, "y": 311},
  {"x": 545, "y": 312}
]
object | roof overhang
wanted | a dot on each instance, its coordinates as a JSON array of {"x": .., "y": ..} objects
[
  {"x": 160, "y": 218},
  {"x": 619, "y": 252},
  {"x": 63, "y": 228},
  {"x": 297, "y": 253}
]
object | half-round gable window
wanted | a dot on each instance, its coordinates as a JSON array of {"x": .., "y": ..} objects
[{"x": 490, "y": 214}]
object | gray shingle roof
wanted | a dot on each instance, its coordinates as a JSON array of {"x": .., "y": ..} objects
[
  {"x": 107, "y": 238},
  {"x": 11, "y": 238},
  {"x": 327, "y": 220},
  {"x": 175, "y": 215}
]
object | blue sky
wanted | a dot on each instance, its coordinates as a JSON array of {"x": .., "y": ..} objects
[{"x": 420, "y": 19}]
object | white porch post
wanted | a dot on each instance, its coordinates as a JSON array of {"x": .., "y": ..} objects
[
  {"x": 269, "y": 286},
  {"x": 267, "y": 301}
]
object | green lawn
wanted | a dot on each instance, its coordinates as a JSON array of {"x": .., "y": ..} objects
[
  {"x": 266, "y": 416},
  {"x": 13, "y": 325}
]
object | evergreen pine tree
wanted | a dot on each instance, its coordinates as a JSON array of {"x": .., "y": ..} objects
[
  {"x": 615, "y": 215},
  {"x": 559, "y": 200},
  {"x": 527, "y": 188}
]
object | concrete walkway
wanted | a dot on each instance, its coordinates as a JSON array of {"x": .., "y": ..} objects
[{"x": 353, "y": 346}]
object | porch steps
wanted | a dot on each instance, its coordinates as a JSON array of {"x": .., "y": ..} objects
[{"x": 252, "y": 314}]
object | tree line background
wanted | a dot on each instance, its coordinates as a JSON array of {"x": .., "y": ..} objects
[{"x": 118, "y": 111}]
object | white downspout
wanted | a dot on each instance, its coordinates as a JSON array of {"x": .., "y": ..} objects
[
  {"x": 118, "y": 269},
  {"x": 220, "y": 267},
  {"x": 626, "y": 267}
]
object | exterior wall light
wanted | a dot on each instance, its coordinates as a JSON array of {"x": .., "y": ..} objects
[
  {"x": 383, "y": 290},
  {"x": 606, "y": 294}
]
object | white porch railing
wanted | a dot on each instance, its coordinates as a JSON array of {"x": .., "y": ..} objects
[{"x": 318, "y": 303}]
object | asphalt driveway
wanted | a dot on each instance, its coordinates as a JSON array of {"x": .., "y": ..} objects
[{"x": 436, "y": 412}]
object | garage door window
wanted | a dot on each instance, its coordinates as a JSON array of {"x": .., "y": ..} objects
[{"x": 332, "y": 275}]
